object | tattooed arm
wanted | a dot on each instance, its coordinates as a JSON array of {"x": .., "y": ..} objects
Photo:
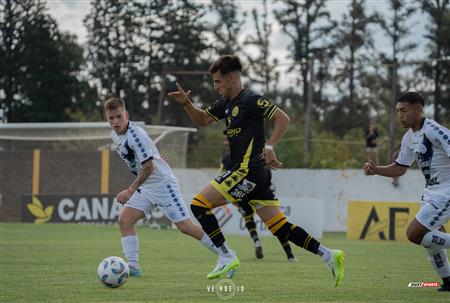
[{"x": 144, "y": 173}]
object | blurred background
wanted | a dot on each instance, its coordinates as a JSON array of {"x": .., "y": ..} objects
[{"x": 333, "y": 66}]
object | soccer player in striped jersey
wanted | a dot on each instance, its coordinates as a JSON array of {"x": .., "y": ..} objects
[
  {"x": 244, "y": 112},
  {"x": 154, "y": 186},
  {"x": 427, "y": 143}
]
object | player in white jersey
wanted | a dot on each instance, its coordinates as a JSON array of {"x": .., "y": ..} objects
[
  {"x": 154, "y": 186},
  {"x": 427, "y": 143}
]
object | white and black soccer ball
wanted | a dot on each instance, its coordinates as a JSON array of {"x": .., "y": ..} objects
[{"x": 113, "y": 272}]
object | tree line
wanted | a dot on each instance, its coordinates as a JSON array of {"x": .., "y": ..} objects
[{"x": 138, "y": 49}]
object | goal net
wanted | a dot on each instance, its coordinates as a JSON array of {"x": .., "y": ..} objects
[{"x": 89, "y": 136}]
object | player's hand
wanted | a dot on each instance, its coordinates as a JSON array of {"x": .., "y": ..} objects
[
  {"x": 370, "y": 168},
  {"x": 180, "y": 95},
  {"x": 271, "y": 159},
  {"x": 124, "y": 196}
]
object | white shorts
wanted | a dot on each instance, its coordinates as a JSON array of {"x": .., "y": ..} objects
[
  {"x": 166, "y": 197},
  {"x": 434, "y": 209}
]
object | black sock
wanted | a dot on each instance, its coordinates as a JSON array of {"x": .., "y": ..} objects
[
  {"x": 209, "y": 224},
  {"x": 298, "y": 236},
  {"x": 251, "y": 227}
]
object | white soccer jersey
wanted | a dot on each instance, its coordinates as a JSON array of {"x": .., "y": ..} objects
[
  {"x": 430, "y": 148},
  {"x": 135, "y": 147}
]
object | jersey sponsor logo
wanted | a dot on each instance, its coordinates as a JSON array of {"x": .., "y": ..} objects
[
  {"x": 247, "y": 185},
  {"x": 231, "y": 132},
  {"x": 242, "y": 189}
]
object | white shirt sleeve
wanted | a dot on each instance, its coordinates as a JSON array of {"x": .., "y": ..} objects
[
  {"x": 406, "y": 155},
  {"x": 439, "y": 136}
]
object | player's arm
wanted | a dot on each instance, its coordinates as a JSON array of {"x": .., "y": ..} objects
[
  {"x": 198, "y": 115},
  {"x": 391, "y": 170},
  {"x": 280, "y": 120},
  {"x": 145, "y": 171}
]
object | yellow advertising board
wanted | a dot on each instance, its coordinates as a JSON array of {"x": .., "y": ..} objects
[{"x": 379, "y": 221}]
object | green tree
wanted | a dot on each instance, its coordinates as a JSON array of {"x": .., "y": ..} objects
[
  {"x": 227, "y": 27},
  {"x": 114, "y": 59},
  {"x": 306, "y": 24},
  {"x": 354, "y": 43},
  {"x": 438, "y": 68},
  {"x": 397, "y": 29},
  {"x": 177, "y": 42},
  {"x": 40, "y": 66},
  {"x": 262, "y": 67}
]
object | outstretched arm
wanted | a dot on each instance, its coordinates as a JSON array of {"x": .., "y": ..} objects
[
  {"x": 196, "y": 114},
  {"x": 391, "y": 170}
]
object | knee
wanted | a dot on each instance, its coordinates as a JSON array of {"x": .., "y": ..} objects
[
  {"x": 185, "y": 228},
  {"x": 414, "y": 236},
  {"x": 125, "y": 222}
]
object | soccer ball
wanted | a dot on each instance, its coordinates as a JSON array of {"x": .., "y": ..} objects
[{"x": 113, "y": 272}]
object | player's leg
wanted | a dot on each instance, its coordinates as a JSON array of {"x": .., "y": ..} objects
[
  {"x": 169, "y": 200},
  {"x": 287, "y": 249},
  {"x": 278, "y": 224},
  {"x": 247, "y": 213},
  {"x": 424, "y": 230},
  {"x": 130, "y": 243},
  {"x": 202, "y": 205},
  {"x": 189, "y": 228}
]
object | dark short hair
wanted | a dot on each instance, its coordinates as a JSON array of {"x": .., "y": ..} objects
[
  {"x": 412, "y": 98},
  {"x": 226, "y": 64},
  {"x": 114, "y": 103}
]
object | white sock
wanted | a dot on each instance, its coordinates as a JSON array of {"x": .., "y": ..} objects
[
  {"x": 206, "y": 241},
  {"x": 436, "y": 239},
  {"x": 130, "y": 246},
  {"x": 439, "y": 261},
  {"x": 324, "y": 253}
]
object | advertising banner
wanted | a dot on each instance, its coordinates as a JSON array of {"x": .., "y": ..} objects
[{"x": 379, "y": 221}]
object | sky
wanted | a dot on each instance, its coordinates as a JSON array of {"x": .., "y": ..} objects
[{"x": 70, "y": 14}]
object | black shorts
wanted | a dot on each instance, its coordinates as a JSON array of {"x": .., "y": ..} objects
[{"x": 247, "y": 184}]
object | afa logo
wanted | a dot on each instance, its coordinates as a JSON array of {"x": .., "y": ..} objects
[{"x": 40, "y": 213}]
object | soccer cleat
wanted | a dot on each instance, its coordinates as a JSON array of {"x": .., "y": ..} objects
[
  {"x": 259, "y": 252},
  {"x": 444, "y": 288},
  {"x": 135, "y": 272},
  {"x": 336, "y": 265},
  {"x": 292, "y": 259},
  {"x": 290, "y": 256},
  {"x": 231, "y": 273},
  {"x": 223, "y": 267}
]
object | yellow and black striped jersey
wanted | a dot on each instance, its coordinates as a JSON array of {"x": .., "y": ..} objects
[{"x": 244, "y": 118}]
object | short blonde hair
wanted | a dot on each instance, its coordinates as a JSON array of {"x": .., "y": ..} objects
[{"x": 114, "y": 103}]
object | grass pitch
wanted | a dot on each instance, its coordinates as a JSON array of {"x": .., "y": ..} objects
[{"x": 58, "y": 263}]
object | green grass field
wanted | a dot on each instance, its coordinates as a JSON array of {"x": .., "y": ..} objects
[{"x": 58, "y": 263}]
